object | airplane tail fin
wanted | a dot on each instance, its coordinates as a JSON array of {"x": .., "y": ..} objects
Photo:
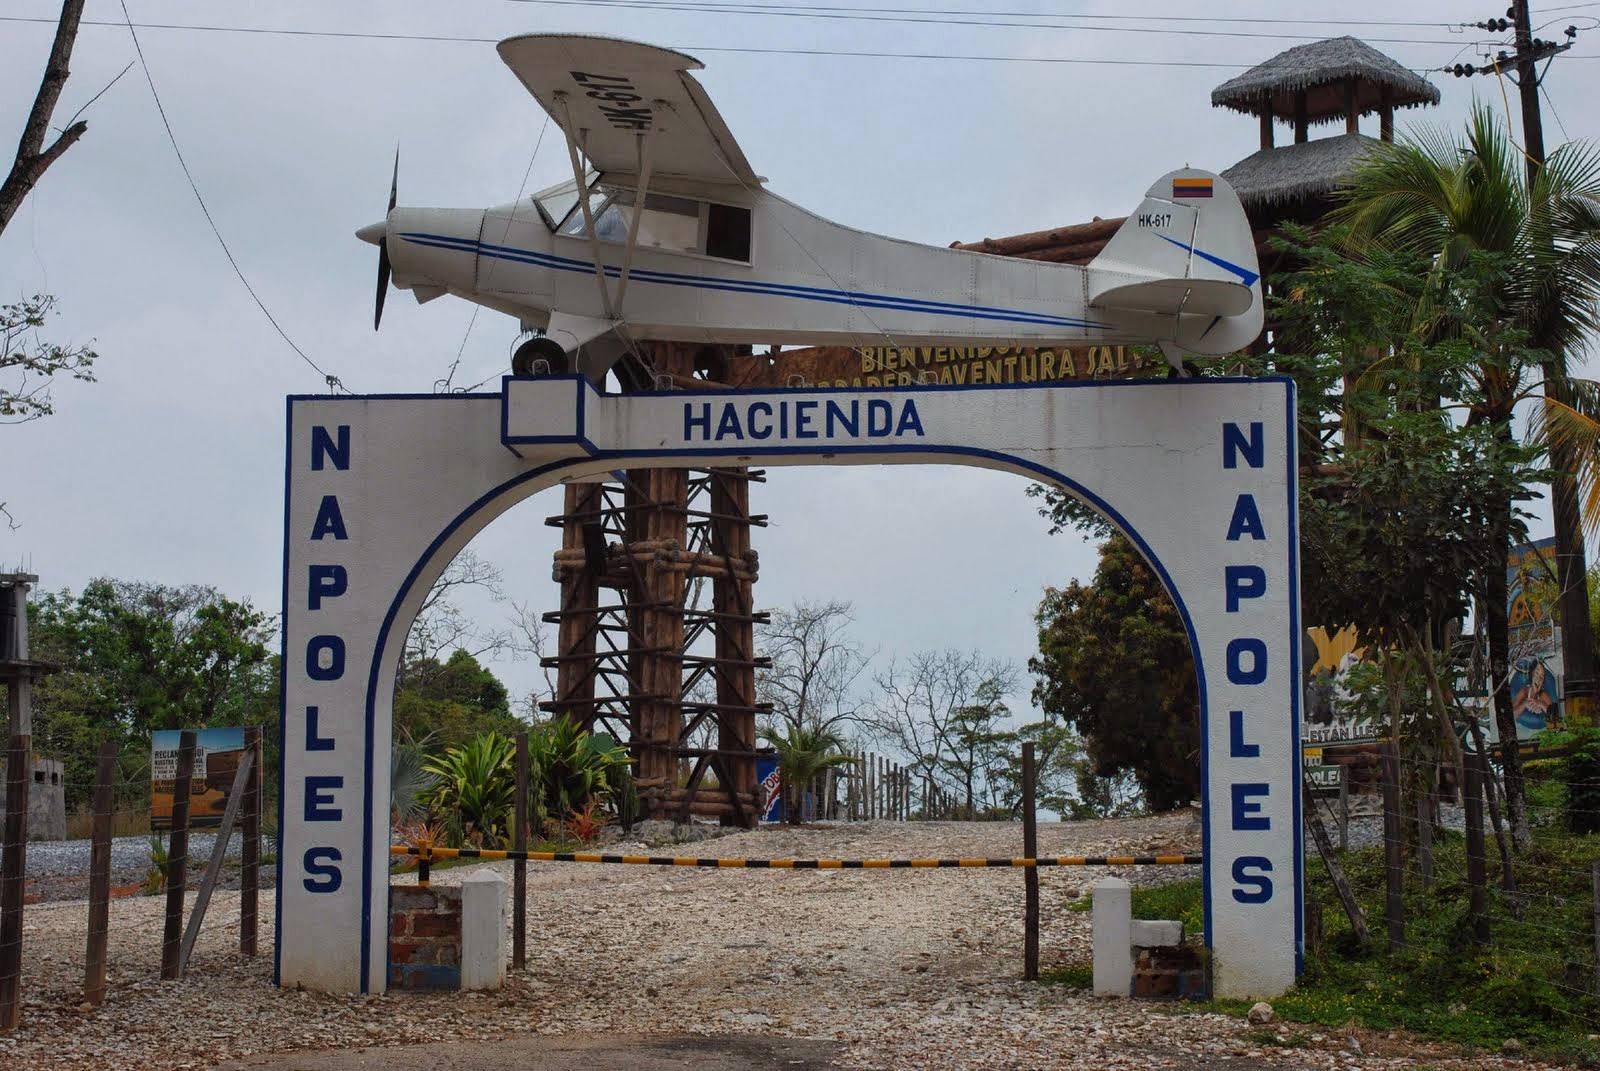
[{"x": 1187, "y": 250}]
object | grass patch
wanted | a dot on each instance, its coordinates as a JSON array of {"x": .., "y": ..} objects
[
  {"x": 1532, "y": 981},
  {"x": 1072, "y": 976},
  {"x": 1182, "y": 900}
]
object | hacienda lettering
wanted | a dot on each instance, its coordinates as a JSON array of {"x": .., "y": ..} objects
[{"x": 809, "y": 419}]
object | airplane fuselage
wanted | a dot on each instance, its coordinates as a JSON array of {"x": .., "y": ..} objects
[{"x": 806, "y": 280}]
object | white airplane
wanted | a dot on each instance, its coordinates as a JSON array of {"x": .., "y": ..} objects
[{"x": 676, "y": 239}]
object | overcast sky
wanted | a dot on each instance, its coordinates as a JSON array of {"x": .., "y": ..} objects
[{"x": 169, "y": 468}]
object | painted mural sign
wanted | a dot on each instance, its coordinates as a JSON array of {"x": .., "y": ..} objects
[
  {"x": 216, "y": 760},
  {"x": 1332, "y": 715},
  {"x": 944, "y": 366},
  {"x": 1536, "y": 666}
]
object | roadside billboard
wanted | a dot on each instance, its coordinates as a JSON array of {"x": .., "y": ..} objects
[{"x": 216, "y": 760}]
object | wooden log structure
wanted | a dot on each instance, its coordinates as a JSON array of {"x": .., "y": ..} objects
[{"x": 642, "y": 653}]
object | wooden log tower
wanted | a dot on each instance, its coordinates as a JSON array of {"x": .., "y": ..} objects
[{"x": 642, "y": 652}]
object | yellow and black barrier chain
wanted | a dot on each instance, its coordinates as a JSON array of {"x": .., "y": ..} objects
[{"x": 428, "y": 853}]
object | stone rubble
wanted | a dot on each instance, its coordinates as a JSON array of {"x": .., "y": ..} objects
[{"x": 907, "y": 968}]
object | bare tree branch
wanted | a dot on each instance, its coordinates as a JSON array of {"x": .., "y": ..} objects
[
  {"x": 811, "y": 683},
  {"x": 32, "y": 157}
]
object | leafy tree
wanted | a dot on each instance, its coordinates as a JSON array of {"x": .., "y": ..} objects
[
  {"x": 139, "y": 657},
  {"x": 803, "y": 754},
  {"x": 1114, "y": 664},
  {"x": 1411, "y": 476},
  {"x": 1451, "y": 199},
  {"x": 445, "y": 705},
  {"x": 978, "y": 743}
]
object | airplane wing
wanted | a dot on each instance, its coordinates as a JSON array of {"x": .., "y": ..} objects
[{"x": 615, "y": 90}]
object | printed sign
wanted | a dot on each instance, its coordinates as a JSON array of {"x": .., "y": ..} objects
[
  {"x": 216, "y": 761},
  {"x": 907, "y": 366},
  {"x": 1324, "y": 777},
  {"x": 771, "y": 789},
  {"x": 1332, "y": 715}
]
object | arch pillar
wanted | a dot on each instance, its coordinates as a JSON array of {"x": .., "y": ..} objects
[{"x": 382, "y": 491}]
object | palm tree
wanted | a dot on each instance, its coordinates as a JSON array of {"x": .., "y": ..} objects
[
  {"x": 1447, "y": 197},
  {"x": 803, "y": 754}
]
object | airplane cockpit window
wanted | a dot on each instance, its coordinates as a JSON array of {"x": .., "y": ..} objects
[
  {"x": 555, "y": 202},
  {"x": 675, "y": 224}
]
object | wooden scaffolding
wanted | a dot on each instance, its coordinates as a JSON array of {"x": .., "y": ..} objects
[{"x": 656, "y": 630}]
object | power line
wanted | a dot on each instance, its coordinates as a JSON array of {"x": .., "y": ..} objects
[
  {"x": 333, "y": 381},
  {"x": 851, "y": 15},
  {"x": 728, "y": 49},
  {"x": 936, "y": 12}
]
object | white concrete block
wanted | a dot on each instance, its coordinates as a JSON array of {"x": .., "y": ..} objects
[
  {"x": 483, "y": 930},
  {"x": 1113, "y": 938},
  {"x": 1165, "y": 933}
]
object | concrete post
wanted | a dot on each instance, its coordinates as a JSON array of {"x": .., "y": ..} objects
[
  {"x": 1113, "y": 938},
  {"x": 483, "y": 930}
]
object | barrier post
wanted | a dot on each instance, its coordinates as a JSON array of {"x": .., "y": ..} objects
[
  {"x": 178, "y": 858},
  {"x": 94, "y": 956},
  {"x": 1111, "y": 918},
  {"x": 519, "y": 868},
  {"x": 1030, "y": 876}
]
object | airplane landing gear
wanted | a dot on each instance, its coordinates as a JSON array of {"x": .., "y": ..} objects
[{"x": 524, "y": 360}]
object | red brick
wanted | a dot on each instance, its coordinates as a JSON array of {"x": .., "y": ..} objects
[
  {"x": 436, "y": 926},
  {"x": 399, "y": 924},
  {"x": 400, "y": 953}
]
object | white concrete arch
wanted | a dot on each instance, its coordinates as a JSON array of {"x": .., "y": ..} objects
[{"x": 381, "y": 492}]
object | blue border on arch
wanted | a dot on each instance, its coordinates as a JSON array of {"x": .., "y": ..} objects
[{"x": 754, "y": 452}]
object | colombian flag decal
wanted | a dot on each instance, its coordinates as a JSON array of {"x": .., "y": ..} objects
[{"x": 1191, "y": 187}]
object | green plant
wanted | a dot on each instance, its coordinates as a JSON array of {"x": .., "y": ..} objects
[
  {"x": 571, "y": 769},
  {"x": 802, "y": 755},
  {"x": 1581, "y": 772},
  {"x": 155, "y": 878},
  {"x": 409, "y": 784},
  {"x": 475, "y": 791}
]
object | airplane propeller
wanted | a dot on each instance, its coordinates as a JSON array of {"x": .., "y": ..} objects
[{"x": 383, "y": 246}]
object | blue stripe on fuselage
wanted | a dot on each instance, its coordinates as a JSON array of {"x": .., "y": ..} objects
[{"x": 809, "y": 293}]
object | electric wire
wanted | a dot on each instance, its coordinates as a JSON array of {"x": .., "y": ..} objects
[
  {"x": 720, "y": 49},
  {"x": 333, "y": 382},
  {"x": 820, "y": 15}
]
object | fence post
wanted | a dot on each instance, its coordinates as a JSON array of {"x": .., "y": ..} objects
[
  {"x": 17, "y": 674},
  {"x": 1597, "y": 927},
  {"x": 94, "y": 957},
  {"x": 178, "y": 857},
  {"x": 1425, "y": 830},
  {"x": 1344, "y": 808},
  {"x": 519, "y": 867},
  {"x": 1393, "y": 861},
  {"x": 13, "y": 864},
  {"x": 1030, "y": 876},
  {"x": 1472, "y": 793},
  {"x": 250, "y": 850}
]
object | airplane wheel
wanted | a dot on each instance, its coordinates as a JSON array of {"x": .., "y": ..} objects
[
  {"x": 539, "y": 349},
  {"x": 1192, "y": 371}
]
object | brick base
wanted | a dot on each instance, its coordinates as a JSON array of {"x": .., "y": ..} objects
[
  {"x": 1169, "y": 972},
  {"x": 424, "y": 937}
]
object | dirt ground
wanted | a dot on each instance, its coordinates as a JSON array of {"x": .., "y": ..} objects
[{"x": 643, "y": 967}]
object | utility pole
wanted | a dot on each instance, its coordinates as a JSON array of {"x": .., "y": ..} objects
[{"x": 1577, "y": 642}]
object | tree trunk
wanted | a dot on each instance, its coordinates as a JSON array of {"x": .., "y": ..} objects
[
  {"x": 1577, "y": 641},
  {"x": 1497, "y": 626}
]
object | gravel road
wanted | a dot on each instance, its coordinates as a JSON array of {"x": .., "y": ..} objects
[
  {"x": 895, "y": 969},
  {"x": 59, "y": 869}
]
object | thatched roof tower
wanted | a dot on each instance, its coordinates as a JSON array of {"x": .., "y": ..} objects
[{"x": 1323, "y": 82}]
